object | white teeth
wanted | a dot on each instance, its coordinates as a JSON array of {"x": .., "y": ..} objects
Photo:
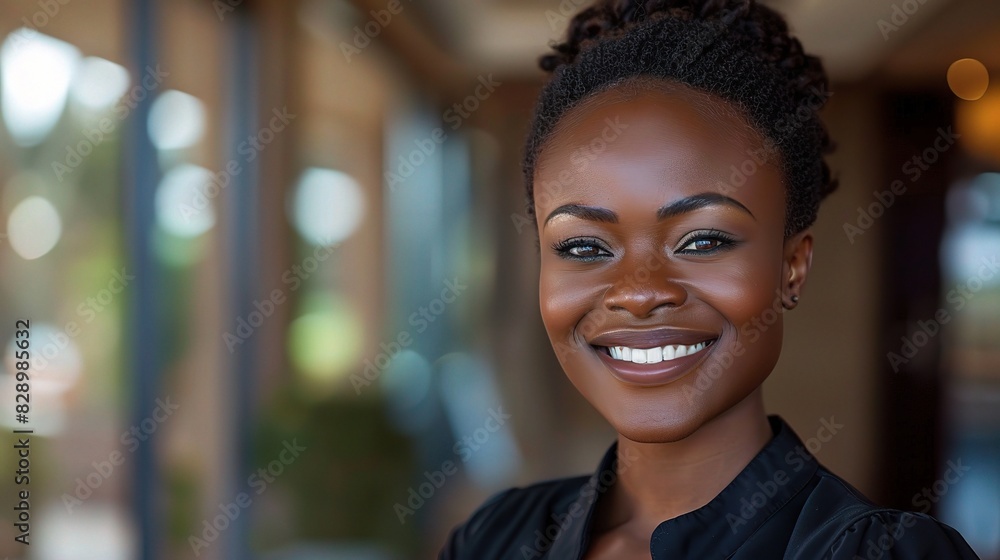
[
  {"x": 654, "y": 355},
  {"x": 639, "y": 355}
]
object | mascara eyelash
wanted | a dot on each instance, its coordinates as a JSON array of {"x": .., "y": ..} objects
[
  {"x": 728, "y": 241},
  {"x": 562, "y": 248}
]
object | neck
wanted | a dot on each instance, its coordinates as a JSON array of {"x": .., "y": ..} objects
[{"x": 665, "y": 480}]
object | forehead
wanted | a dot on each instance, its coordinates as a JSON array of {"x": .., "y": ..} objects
[
  {"x": 657, "y": 93},
  {"x": 650, "y": 140}
]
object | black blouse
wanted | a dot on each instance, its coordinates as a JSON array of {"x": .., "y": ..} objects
[{"x": 784, "y": 504}]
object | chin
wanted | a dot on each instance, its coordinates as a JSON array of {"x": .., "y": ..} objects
[
  {"x": 657, "y": 434},
  {"x": 674, "y": 412},
  {"x": 656, "y": 422}
]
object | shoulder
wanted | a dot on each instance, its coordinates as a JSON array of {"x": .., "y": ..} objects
[
  {"x": 837, "y": 522},
  {"x": 507, "y": 518},
  {"x": 900, "y": 535}
]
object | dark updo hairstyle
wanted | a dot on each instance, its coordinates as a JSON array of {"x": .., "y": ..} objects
[{"x": 738, "y": 50}]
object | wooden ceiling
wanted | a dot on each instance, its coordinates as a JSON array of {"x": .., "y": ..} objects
[{"x": 855, "y": 38}]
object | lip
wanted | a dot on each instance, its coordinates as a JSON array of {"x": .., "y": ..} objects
[{"x": 661, "y": 373}]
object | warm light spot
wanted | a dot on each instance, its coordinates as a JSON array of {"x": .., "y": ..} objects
[
  {"x": 33, "y": 227},
  {"x": 976, "y": 121},
  {"x": 968, "y": 78}
]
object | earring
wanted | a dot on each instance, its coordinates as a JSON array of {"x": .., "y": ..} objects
[{"x": 795, "y": 299}]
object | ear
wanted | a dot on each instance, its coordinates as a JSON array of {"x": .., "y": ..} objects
[{"x": 795, "y": 267}]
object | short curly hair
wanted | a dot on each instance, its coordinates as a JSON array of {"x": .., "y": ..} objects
[{"x": 737, "y": 50}]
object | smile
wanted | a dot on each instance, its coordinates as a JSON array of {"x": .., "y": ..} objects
[
  {"x": 653, "y": 355},
  {"x": 654, "y": 366}
]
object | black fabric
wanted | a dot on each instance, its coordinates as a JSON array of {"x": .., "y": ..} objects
[{"x": 784, "y": 504}]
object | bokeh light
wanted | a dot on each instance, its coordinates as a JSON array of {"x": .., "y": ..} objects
[
  {"x": 35, "y": 71},
  {"x": 55, "y": 357},
  {"x": 183, "y": 204},
  {"x": 94, "y": 526},
  {"x": 99, "y": 83},
  {"x": 176, "y": 120},
  {"x": 327, "y": 207},
  {"x": 968, "y": 78},
  {"x": 325, "y": 343},
  {"x": 977, "y": 122},
  {"x": 33, "y": 227},
  {"x": 407, "y": 382}
]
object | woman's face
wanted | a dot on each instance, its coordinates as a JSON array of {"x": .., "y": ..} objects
[{"x": 623, "y": 281}]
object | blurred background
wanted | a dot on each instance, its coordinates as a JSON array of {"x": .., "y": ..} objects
[{"x": 282, "y": 289}]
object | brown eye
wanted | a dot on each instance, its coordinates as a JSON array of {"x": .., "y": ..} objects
[
  {"x": 580, "y": 249},
  {"x": 708, "y": 242},
  {"x": 705, "y": 244},
  {"x": 584, "y": 251}
]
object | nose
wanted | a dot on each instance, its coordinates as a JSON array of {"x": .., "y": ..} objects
[{"x": 642, "y": 290}]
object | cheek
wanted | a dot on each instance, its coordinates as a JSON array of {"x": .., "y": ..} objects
[
  {"x": 744, "y": 289},
  {"x": 562, "y": 303},
  {"x": 749, "y": 298}
]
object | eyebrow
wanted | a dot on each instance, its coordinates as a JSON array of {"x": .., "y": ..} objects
[{"x": 677, "y": 207}]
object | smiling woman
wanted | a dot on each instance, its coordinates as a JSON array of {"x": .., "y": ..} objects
[
  {"x": 669, "y": 251},
  {"x": 720, "y": 262}
]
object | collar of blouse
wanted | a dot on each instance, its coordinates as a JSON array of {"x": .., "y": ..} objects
[{"x": 772, "y": 478}]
